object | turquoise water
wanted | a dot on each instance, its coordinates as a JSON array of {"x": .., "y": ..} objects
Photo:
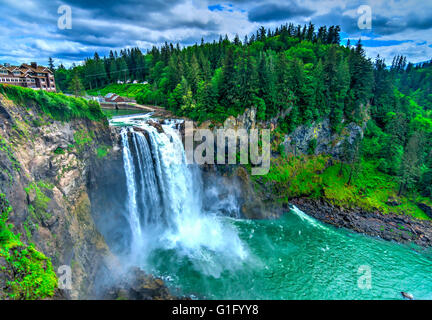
[{"x": 297, "y": 257}]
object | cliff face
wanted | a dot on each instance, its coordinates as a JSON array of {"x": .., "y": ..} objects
[
  {"x": 256, "y": 201},
  {"x": 327, "y": 142},
  {"x": 46, "y": 169}
]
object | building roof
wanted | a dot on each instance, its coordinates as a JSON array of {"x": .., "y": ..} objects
[
  {"x": 25, "y": 68},
  {"x": 37, "y": 69}
]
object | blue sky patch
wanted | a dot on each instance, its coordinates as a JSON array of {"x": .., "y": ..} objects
[{"x": 216, "y": 7}]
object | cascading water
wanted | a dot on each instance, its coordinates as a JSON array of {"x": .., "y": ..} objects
[
  {"x": 165, "y": 202},
  {"x": 188, "y": 232}
]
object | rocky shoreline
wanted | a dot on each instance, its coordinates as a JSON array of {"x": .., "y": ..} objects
[{"x": 391, "y": 227}]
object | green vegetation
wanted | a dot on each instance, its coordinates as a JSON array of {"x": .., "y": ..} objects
[
  {"x": 124, "y": 90},
  {"x": 6, "y": 148},
  {"x": 313, "y": 176},
  {"x": 59, "y": 151},
  {"x": 102, "y": 151},
  {"x": 38, "y": 207},
  {"x": 414, "y": 81},
  {"x": 83, "y": 138},
  {"x": 28, "y": 273},
  {"x": 295, "y": 75},
  {"x": 55, "y": 105}
]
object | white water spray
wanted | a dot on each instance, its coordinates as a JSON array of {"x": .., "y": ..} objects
[{"x": 165, "y": 197}]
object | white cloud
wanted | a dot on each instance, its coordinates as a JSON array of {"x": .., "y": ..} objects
[{"x": 28, "y": 29}]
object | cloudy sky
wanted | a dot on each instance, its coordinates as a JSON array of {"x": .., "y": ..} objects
[{"x": 29, "y": 29}]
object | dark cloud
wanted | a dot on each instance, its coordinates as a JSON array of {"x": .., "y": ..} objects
[
  {"x": 391, "y": 25},
  {"x": 112, "y": 24},
  {"x": 278, "y": 12}
]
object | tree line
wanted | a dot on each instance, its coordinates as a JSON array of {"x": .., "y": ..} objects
[{"x": 292, "y": 75}]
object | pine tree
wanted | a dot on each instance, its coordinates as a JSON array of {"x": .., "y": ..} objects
[
  {"x": 51, "y": 64},
  {"x": 337, "y": 82},
  {"x": 228, "y": 90},
  {"x": 76, "y": 86},
  {"x": 266, "y": 85},
  {"x": 410, "y": 169},
  {"x": 192, "y": 74}
]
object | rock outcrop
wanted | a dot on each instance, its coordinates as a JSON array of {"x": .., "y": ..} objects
[
  {"x": 326, "y": 142},
  {"x": 137, "y": 285}
]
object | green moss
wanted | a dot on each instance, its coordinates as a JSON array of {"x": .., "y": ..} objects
[
  {"x": 102, "y": 151},
  {"x": 83, "y": 137},
  {"x": 29, "y": 273},
  {"x": 55, "y": 105},
  {"x": 39, "y": 206},
  {"x": 6, "y": 148},
  {"x": 59, "y": 151}
]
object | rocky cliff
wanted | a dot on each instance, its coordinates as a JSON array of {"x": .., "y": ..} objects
[
  {"x": 58, "y": 177},
  {"x": 321, "y": 136},
  {"x": 45, "y": 169}
]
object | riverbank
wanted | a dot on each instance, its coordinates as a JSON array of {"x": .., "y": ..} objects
[{"x": 392, "y": 227}]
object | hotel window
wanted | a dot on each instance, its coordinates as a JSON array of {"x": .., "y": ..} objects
[{"x": 3, "y": 72}]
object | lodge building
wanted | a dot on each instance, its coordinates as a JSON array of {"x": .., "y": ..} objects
[{"x": 29, "y": 76}]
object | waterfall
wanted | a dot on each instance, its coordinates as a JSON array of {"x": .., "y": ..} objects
[
  {"x": 165, "y": 201},
  {"x": 133, "y": 216}
]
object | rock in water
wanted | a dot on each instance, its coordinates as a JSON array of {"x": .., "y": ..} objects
[
  {"x": 407, "y": 295},
  {"x": 135, "y": 284}
]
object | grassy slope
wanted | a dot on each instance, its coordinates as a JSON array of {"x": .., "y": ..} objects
[
  {"x": 124, "y": 90},
  {"x": 311, "y": 176},
  {"x": 55, "y": 105},
  {"x": 29, "y": 272}
]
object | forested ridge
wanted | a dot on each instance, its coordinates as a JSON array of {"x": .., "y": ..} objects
[{"x": 294, "y": 75}]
